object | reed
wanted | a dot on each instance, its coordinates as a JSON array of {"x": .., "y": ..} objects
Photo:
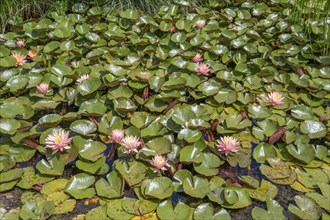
[
  {"x": 16, "y": 11},
  {"x": 314, "y": 12}
]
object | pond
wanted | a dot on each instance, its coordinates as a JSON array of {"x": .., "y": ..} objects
[{"x": 217, "y": 111}]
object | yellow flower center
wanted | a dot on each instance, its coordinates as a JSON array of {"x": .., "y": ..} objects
[
  {"x": 57, "y": 139},
  {"x": 276, "y": 96},
  {"x": 159, "y": 160}
]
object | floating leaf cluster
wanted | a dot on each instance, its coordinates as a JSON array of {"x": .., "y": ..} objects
[{"x": 149, "y": 108}]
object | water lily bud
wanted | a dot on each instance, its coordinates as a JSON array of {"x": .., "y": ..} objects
[
  {"x": 200, "y": 23},
  {"x": 117, "y": 135},
  {"x": 43, "y": 88},
  {"x": 20, "y": 44},
  {"x": 32, "y": 53},
  {"x": 197, "y": 58}
]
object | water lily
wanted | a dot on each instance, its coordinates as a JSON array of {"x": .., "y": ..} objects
[
  {"x": 131, "y": 143},
  {"x": 172, "y": 29},
  {"x": 228, "y": 144},
  {"x": 275, "y": 98},
  {"x": 32, "y": 53},
  {"x": 20, "y": 58},
  {"x": 197, "y": 58},
  {"x": 200, "y": 23},
  {"x": 159, "y": 163},
  {"x": 82, "y": 78},
  {"x": 58, "y": 141},
  {"x": 202, "y": 69},
  {"x": 43, "y": 88},
  {"x": 20, "y": 44},
  {"x": 117, "y": 135}
]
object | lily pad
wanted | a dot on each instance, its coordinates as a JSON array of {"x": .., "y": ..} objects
[
  {"x": 313, "y": 129},
  {"x": 274, "y": 211},
  {"x": 79, "y": 186},
  {"x": 159, "y": 187},
  {"x": 206, "y": 211},
  {"x": 110, "y": 188},
  {"x": 165, "y": 210},
  {"x": 307, "y": 208}
]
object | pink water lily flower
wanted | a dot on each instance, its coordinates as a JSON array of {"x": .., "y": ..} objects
[
  {"x": 131, "y": 143},
  {"x": 20, "y": 44},
  {"x": 200, "y": 23},
  {"x": 228, "y": 144},
  {"x": 43, "y": 88},
  {"x": 275, "y": 98},
  {"x": 172, "y": 29},
  {"x": 197, "y": 58},
  {"x": 32, "y": 53},
  {"x": 82, "y": 78},
  {"x": 20, "y": 58},
  {"x": 117, "y": 135},
  {"x": 202, "y": 69},
  {"x": 58, "y": 141},
  {"x": 159, "y": 162}
]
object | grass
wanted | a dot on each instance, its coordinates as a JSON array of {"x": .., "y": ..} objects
[
  {"x": 16, "y": 11},
  {"x": 308, "y": 11}
]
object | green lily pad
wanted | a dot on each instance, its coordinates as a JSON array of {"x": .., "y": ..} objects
[
  {"x": 313, "y": 129},
  {"x": 134, "y": 172},
  {"x": 11, "y": 175},
  {"x": 278, "y": 172},
  {"x": 206, "y": 211},
  {"x": 89, "y": 86},
  {"x": 302, "y": 112},
  {"x": 89, "y": 149},
  {"x": 79, "y": 186},
  {"x": 110, "y": 188},
  {"x": 302, "y": 151},
  {"x": 9, "y": 126},
  {"x": 307, "y": 208},
  {"x": 322, "y": 199},
  {"x": 37, "y": 208},
  {"x": 196, "y": 186},
  {"x": 61, "y": 70},
  {"x": 138, "y": 207},
  {"x": 189, "y": 135},
  {"x": 209, "y": 166},
  {"x": 115, "y": 210},
  {"x": 83, "y": 127},
  {"x": 274, "y": 211},
  {"x": 159, "y": 187},
  {"x": 54, "y": 186},
  {"x": 50, "y": 120},
  {"x": 30, "y": 178},
  {"x": 165, "y": 210},
  {"x": 157, "y": 146},
  {"x": 265, "y": 191},
  {"x": 93, "y": 167},
  {"x": 263, "y": 151},
  {"x": 92, "y": 107},
  {"x": 97, "y": 213},
  {"x": 53, "y": 166},
  {"x": 256, "y": 111}
]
